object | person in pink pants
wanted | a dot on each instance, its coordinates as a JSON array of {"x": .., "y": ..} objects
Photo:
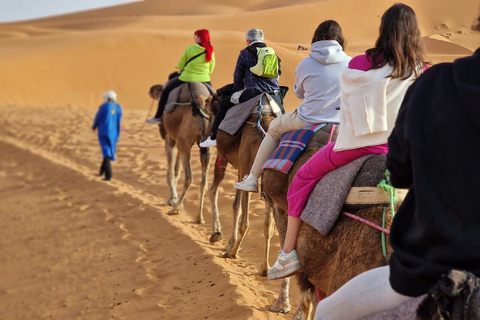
[{"x": 372, "y": 90}]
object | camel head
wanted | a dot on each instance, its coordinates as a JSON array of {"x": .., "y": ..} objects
[
  {"x": 211, "y": 105},
  {"x": 155, "y": 91}
]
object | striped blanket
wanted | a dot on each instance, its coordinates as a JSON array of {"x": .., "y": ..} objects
[{"x": 290, "y": 148}]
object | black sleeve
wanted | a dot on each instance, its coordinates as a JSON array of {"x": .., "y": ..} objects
[{"x": 398, "y": 157}]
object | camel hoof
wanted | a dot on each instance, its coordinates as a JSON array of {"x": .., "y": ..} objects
[
  {"x": 200, "y": 221},
  {"x": 263, "y": 273},
  {"x": 173, "y": 212},
  {"x": 227, "y": 255},
  {"x": 217, "y": 236},
  {"x": 280, "y": 308}
]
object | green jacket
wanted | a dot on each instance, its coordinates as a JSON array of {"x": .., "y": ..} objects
[{"x": 197, "y": 69}]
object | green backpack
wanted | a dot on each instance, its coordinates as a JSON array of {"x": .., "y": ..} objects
[{"x": 267, "y": 64}]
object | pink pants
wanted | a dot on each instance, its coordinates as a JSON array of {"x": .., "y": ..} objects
[{"x": 322, "y": 162}]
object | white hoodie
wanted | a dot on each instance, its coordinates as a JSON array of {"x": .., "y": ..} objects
[{"x": 317, "y": 82}]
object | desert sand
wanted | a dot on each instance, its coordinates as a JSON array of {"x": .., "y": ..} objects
[{"x": 76, "y": 247}]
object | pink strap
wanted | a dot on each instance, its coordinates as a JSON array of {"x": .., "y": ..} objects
[
  {"x": 371, "y": 224},
  {"x": 331, "y": 133}
]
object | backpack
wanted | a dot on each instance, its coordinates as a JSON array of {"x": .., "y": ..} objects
[{"x": 267, "y": 64}]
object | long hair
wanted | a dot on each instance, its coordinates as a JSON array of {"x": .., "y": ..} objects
[
  {"x": 329, "y": 30},
  {"x": 399, "y": 43},
  {"x": 204, "y": 36}
]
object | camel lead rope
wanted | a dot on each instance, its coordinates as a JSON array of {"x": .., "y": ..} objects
[
  {"x": 387, "y": 186},
  {"x": 144, "y": 122}
]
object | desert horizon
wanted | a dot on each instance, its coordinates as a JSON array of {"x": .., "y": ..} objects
[{"x": 76, "y": 247}]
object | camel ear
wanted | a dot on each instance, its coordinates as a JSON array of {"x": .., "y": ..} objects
[{"x": 208, "y": 105}]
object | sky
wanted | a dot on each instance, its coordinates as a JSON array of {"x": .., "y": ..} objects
[{"x": 18, "y": 10}]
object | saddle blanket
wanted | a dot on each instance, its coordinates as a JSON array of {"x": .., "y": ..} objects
[
  {"x": 237, "y": 115},
  {"x": 327, "y": 198},
  {"x": 176, "y": 96},
  {"x": 291, "y": 146}
]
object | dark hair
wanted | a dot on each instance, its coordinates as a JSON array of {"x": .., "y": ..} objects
[
  {"x": 399, "y": 43},
  {"x": 329, "y": 30}
]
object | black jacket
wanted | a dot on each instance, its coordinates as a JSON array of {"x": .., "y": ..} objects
[{"x": 434, "y": 150}]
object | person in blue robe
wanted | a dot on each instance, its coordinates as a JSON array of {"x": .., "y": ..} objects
[{"x": 107, "y": 121}]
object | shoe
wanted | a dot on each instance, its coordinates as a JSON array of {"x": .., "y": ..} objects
[
  {"x": 208, "y": 143},
  {"x": 249, "y": 183},
  {"x": 154, "y": 120},
  {"x": 285, "y": 266}
]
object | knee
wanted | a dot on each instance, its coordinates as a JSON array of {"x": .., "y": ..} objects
[{"x": 275, "y": 128}]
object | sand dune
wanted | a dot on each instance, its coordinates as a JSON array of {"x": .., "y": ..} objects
[{"x": 75, "y": 247}]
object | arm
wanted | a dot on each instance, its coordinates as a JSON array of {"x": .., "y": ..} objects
[
  {"x": 100, "y": 115},
  {"x": 212, "y": 64},
  {"x": 239, "y": 74},
  {"x": 398, "y": 158},
  {"x": 298, "y": 87},
  {"x": 183, "y": 61}
]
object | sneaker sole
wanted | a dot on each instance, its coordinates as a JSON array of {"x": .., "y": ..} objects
[{"x": 284, "y": 274}]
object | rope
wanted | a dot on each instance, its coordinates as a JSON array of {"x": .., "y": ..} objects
[
  {"x": 387, "y": 186},
  {"x": 259, "y": 128},
  {"x": 144, "y": 122},
  {"x": 259, "y": 117},
  {"x": 367, "y": 222}
]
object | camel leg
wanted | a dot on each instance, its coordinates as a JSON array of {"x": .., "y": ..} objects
[
  {"x": 205, "y": 159},
  {"x": 218, "y": 175},
  {"x": 307, "y": 303},
  {"x": 172, "y": 161},
  {"x": 185, "y": 157},
  {"x": 268, "y": 229},
  {"x": 237, "y": 206},
  {"x": 243, "y": 226},
  {"x": 282, "y": 304}
]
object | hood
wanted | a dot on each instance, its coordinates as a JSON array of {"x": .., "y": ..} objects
[
  {"x": 466, "y": 77},
  {"x": 327, "y": 52}
]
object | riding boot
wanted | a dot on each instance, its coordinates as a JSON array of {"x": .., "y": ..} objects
[{"x": 108, "y": 169}]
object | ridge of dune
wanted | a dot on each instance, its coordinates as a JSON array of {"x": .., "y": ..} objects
[{"x": 71, "y": 60}]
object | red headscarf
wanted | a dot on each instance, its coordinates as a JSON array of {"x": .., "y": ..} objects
[{"x": 204, "y": 36}]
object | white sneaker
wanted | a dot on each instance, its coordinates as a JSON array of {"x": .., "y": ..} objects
[
  {"x": 208, "y": 143},
  {"x": 285, "y": 266},
  {"x": 249, "y": 183}
]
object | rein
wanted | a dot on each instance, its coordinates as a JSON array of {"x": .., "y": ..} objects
[{"x": 144, "y": 122}]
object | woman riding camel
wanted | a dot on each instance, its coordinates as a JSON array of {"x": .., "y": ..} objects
[
  {"x": 436, "y": 228},
  {"x": 373, "y": 87},
  {"x": 317, "y": 82},
  {"x": 196, "y": 64}
]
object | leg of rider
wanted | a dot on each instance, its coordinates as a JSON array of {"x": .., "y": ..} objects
[
  {"x": 170, "y": 85},
  {"x": 364, "y": 295},
  {"x": 286, "y": 122},
  {"x": 225, "y": 104}
]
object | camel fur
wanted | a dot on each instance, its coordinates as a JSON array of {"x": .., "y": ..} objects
[{"x": 181, "y": 129}]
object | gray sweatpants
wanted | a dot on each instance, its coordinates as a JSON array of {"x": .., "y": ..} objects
[{"x": 364, "y": 295}]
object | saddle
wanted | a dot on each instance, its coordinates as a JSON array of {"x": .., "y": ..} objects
[
  {"x": 237, "y": 115},
  {"x": 186, "y": 93}
]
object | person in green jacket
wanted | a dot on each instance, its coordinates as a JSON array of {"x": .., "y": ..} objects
[{"x": 196, "y": 64}]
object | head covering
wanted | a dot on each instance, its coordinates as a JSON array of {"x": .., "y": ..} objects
[
  {"x": 204, "y": 36},
  {"x": 110, "y": 95}
]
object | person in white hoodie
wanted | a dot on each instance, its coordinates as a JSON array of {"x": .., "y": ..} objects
[
  {"x": 372, "y": 89},
  {"x": 317, "y": 82}
]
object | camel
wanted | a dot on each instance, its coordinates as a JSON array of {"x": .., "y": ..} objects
[
  {"x": 239, "y": 150},
  {"x": 181, "y": 129},
  {"x": 328, "y": 261}
]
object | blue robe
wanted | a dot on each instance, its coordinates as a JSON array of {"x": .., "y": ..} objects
[{"x": 107, "y": 121}]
